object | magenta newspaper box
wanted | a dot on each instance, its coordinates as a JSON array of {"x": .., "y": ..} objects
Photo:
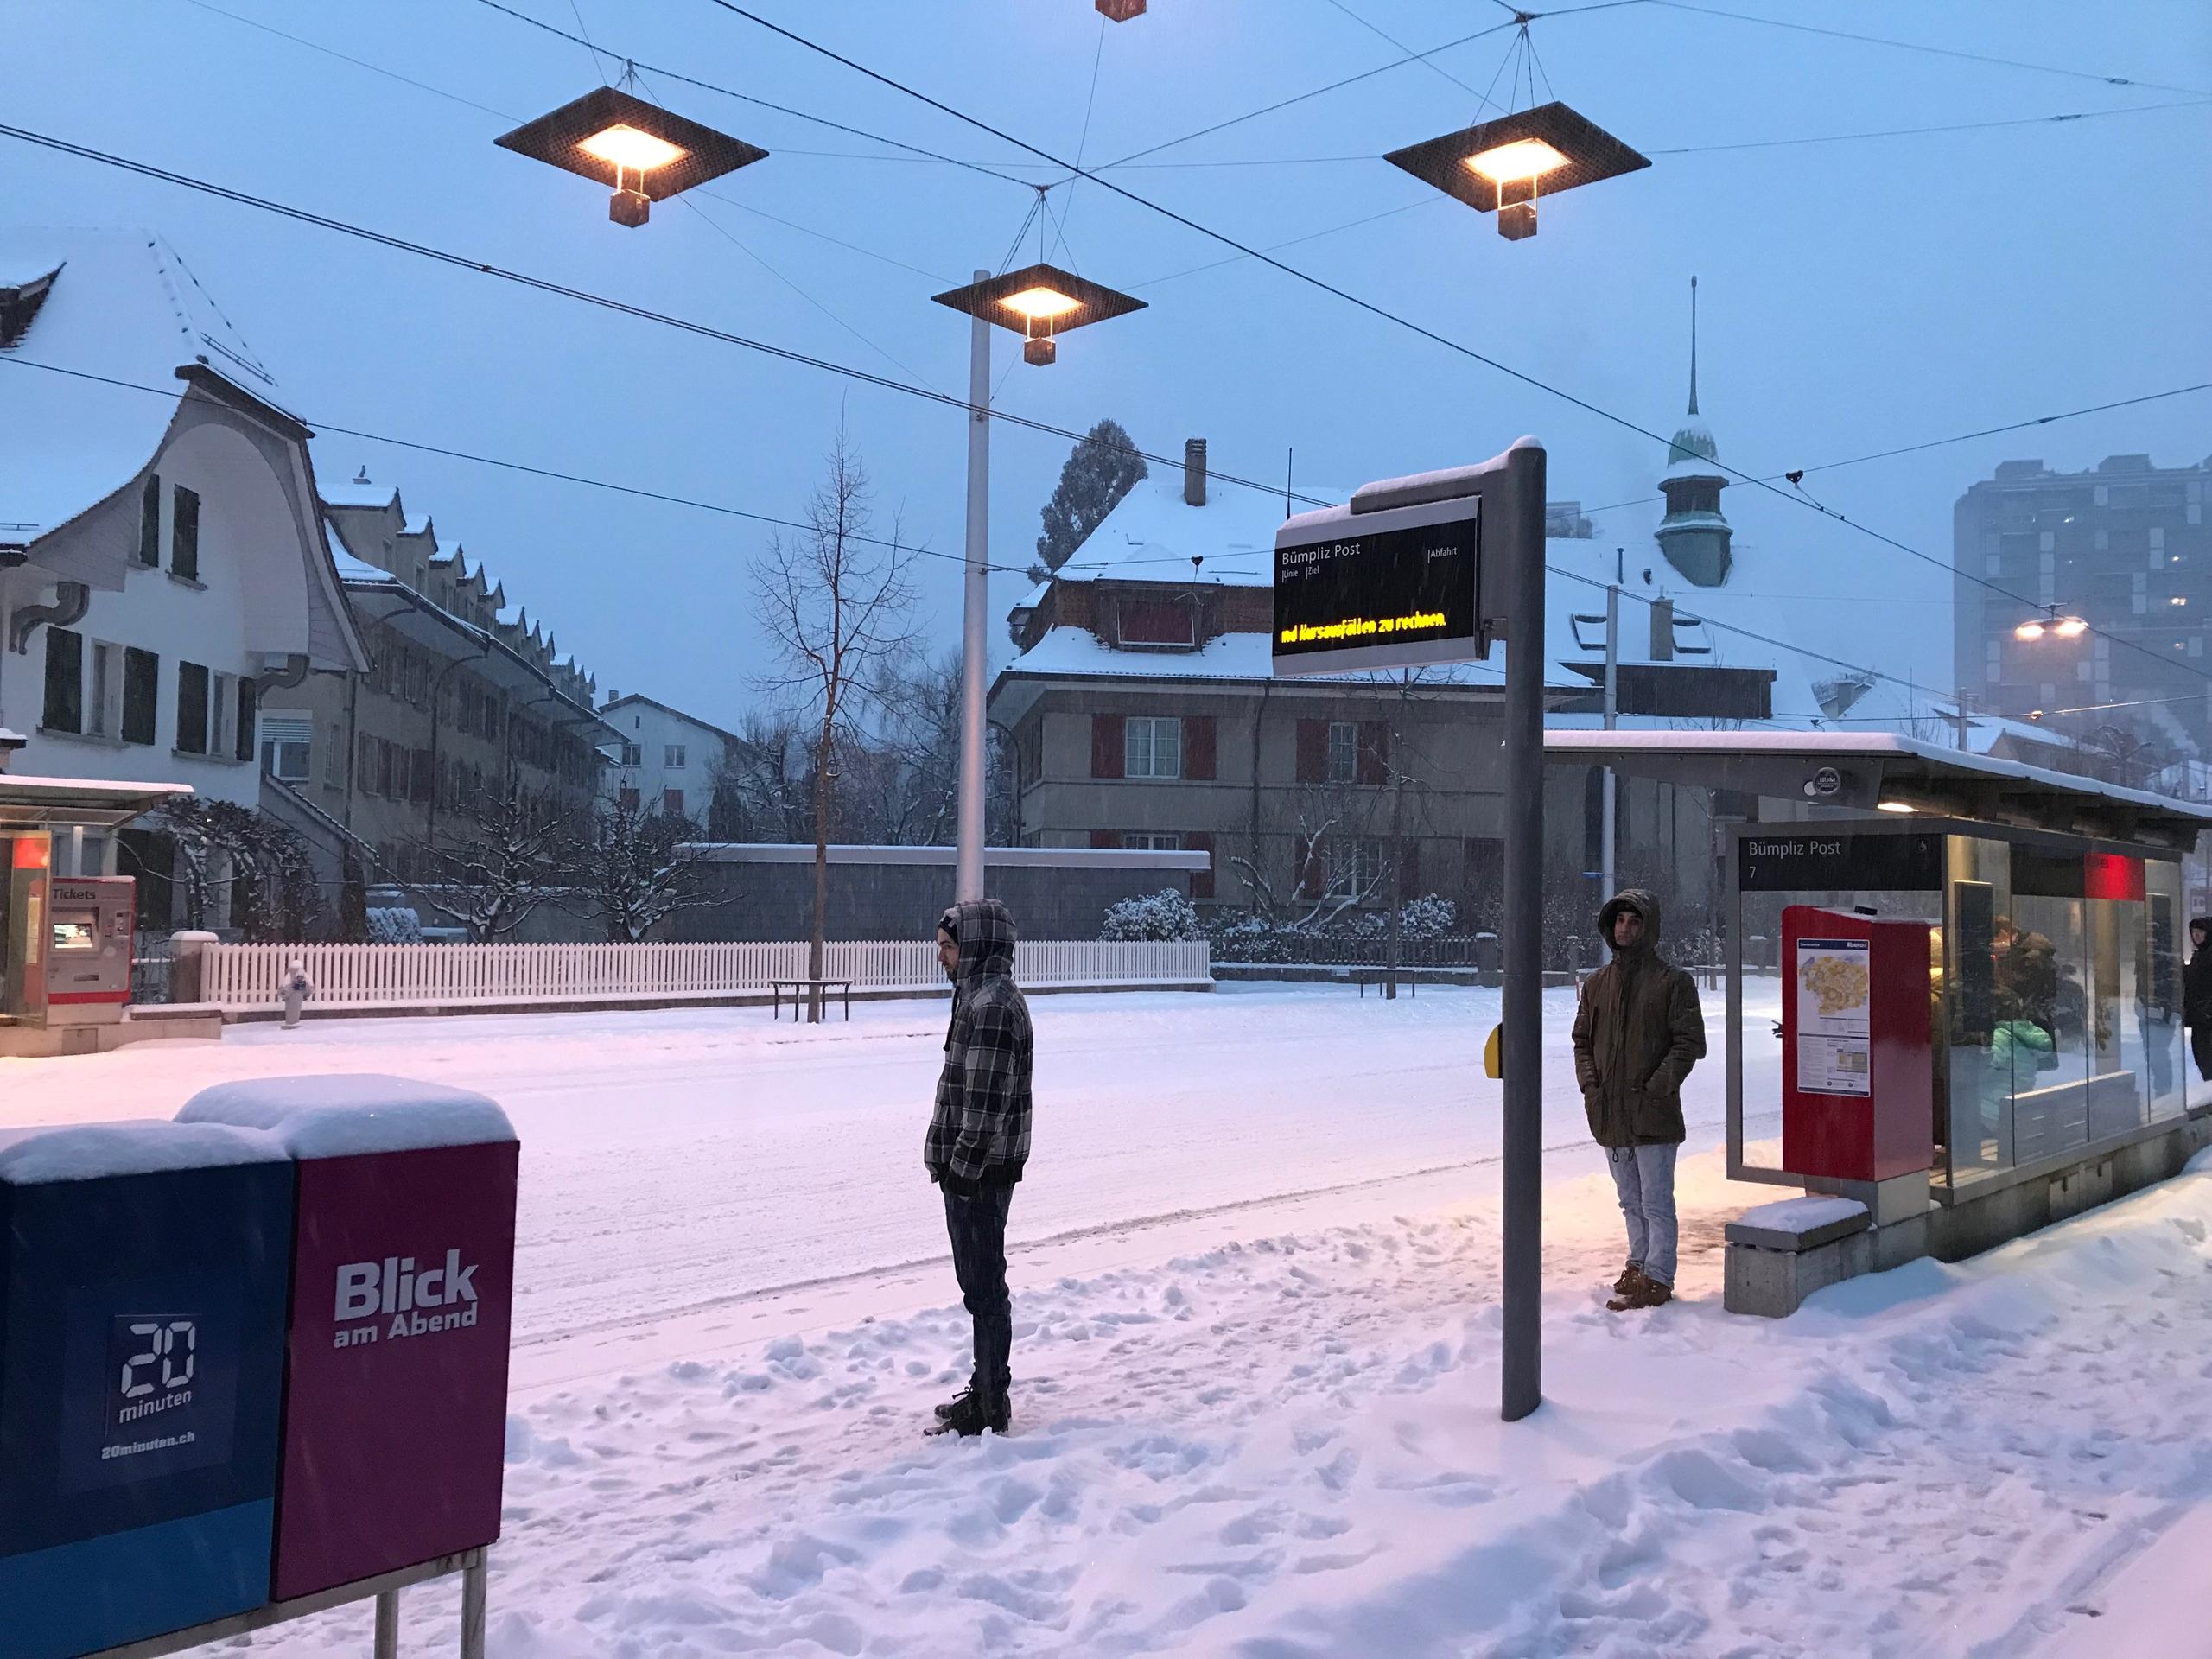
[{"x": 403, "y": 1293}]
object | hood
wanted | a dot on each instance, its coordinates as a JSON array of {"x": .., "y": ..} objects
[
  {"x": 2204, "y": 922},
  {"x": 985, "y": 929},
  {"x": 1643, "y": 902}
]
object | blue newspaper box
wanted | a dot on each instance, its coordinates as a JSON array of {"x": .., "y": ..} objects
[{"x": 144, "y": 1270}]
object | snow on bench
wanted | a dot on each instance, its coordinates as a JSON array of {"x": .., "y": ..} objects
[{"x": 1799, "y": 1224}]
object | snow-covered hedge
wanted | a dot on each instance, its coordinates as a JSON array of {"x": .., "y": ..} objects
[
  {"x": 1163, "y": 915},
  {"x": 395, "y": 927}
]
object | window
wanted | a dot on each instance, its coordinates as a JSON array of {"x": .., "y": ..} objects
[
  {"x": 672, "y": 757},
  {"x": 671, "y": 801},
  {"x": 104, "y": 707},
  {"x": 1152, "y": 747},
  {"x": 65, "y": 681},
  {"x": 626, "y": 799},
  {"x": 1155, "y": 622},
  {"x": 150, "y": 523},
  {"x": 1152, "y": 841},
  {"x": 1344, "y": 751},
  {"x": 222, "y": 713},
  {"x": 184, "y": 535},
  {"x": 633, "y": 754},
  {"x": 1355, "y": 866},
  {"x": 142, "y": 694},
  {"x": 191, "y": 709},
  {"x": 287, "y": 745}
]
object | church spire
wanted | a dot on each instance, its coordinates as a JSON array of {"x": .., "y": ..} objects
[{"x": 1693, "y": 345}]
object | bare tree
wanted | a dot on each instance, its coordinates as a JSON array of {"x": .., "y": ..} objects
[
  {"x": 635, "y": 867},
  {"x": 497, "y": 859},
  {"x": 838, "y": 601}
]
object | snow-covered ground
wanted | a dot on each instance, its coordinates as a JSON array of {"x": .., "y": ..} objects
[{"x": 1255, "y": 1278}]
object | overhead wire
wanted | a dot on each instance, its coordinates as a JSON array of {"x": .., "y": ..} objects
[
  {"x": 1097, "y": 58},
  {"x": 1386, "y": 315},
  {"x": 1385, "y": 34}
]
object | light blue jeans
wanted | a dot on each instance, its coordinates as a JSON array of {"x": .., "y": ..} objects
[{"x": 1644, "y": 1178}]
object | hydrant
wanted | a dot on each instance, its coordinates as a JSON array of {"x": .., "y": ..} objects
[{"x": 297, "y": 988}]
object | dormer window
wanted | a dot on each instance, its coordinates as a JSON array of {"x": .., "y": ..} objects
[{"x": 1158, "y": 624}]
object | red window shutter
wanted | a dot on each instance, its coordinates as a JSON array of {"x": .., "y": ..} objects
[
  {"x": 1312, "y": 757},
  {"x": 1106, "y": 745},
  {"x": 1373, "y": 751},
  {"x": 1201, "y": 840},
  {"x": 1105, "y": 838},
  {"x": 1198, "y": 747}
]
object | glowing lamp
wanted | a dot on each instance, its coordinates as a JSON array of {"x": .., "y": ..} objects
[
  {"x": 1896, "y": 806},
  {"x": 2070, "y": 627},
  {"x": 2029, "y": 631},
  {"x": 1502, "y": 166},
  {"x": 1039, "y": 303},
  {"x": 644, "y": 153}
]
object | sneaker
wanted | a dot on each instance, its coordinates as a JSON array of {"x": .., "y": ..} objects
[
  {"x": 1648, "y": 1293},
  {"x": 972, "y": 1417},
  {"x": 1631, "y": 1276}
]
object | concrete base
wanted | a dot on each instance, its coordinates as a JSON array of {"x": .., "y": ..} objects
[
  {"x": 1770, "y": 1272},
  {"x": 154, "y": 1024}
]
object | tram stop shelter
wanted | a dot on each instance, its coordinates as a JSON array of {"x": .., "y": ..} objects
[
  {"x": 2051, "y": 1072},
  {"x": 56, "y": 915}
]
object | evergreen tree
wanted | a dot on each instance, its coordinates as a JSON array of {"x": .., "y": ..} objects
[{"x": 1101, "y": 470}]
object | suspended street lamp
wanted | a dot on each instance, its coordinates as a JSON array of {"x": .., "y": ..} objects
[
  {"x": 1501, "y": 166},
  {"x": 1120, "y": 10},
  {"x": 646, "y": 154},
  {"x": 1039, "y": 303},
  {"x": 2066, "y": 627}
]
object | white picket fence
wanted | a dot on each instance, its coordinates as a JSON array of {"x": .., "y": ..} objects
[{"x": 241, "y": 978}]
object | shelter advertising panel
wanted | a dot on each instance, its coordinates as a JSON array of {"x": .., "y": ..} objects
[{"x": 1857, "y": 1081}]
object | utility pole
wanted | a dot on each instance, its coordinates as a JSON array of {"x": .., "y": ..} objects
[
  {"x": 968, "y": 875},
  {"x": 1607, "y": 831},
  {"x": 1960, "y": 717}
]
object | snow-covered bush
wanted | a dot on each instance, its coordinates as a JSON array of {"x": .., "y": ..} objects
[
  {"x": 1163, "y": 915},
  {"x": 388, "y": 926},
  {"x": 1429, "y": 917}
]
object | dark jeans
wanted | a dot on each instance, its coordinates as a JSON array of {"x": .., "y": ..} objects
[
  {"x": 977, "y": 1227},
  {"x": 2200, "y": 1048}
]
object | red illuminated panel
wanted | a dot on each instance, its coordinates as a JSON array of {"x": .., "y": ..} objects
[
  {"x": 2110, "y": 875},
  {"x": 31, "y": 852}
]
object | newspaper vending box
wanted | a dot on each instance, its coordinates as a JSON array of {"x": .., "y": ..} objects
[
  {"x": 1857, "y": 1075},
  {"x": 142, "y": 1281}
]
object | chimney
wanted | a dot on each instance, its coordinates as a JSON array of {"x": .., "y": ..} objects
[
  {"x": 1662, "y": 630},
  {"x": 1194, "y": 471}
]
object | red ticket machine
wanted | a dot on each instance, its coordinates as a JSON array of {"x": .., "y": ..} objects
[
  {"x": 402, "y": 1291},
  {"x": 1857, "y": 1077}
]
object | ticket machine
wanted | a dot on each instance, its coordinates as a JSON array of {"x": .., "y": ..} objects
[{"x": 90, "y": 929}]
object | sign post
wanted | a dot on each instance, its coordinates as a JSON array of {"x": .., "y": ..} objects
[{"x": 1427, "y": 569}]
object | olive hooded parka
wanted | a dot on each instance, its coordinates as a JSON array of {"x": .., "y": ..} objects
[{"x": 1637, "y": 1033}]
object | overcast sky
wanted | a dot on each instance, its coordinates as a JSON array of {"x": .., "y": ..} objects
[{"x": 1856, "y": 295}]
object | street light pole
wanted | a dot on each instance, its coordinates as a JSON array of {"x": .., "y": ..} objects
[
  {"x": 968, "y": 881},
  {"x": 1609, "y": 787}
]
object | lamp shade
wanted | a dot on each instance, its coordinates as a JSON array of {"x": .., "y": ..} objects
[
  {"x": 1040, "y": 300},
  {"x": 629, "y": 145},
  {"x": 1517, "y": 158}
]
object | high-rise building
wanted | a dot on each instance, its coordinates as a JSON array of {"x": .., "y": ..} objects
[{"x": 2123, "y": 548}]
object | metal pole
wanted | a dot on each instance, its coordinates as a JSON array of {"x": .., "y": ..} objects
[
  {"x": 475, "y": 1582},
  {"x": 388, "y": 1625},
  {"x": 1518, "y": 547},
  {"x": 968, "y": 882},
  {"x": 1608, "y": 828}
]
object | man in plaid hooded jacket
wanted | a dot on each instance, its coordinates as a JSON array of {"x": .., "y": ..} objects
[{"x": 979, "y": 1140}]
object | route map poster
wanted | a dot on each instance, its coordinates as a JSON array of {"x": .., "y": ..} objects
[{"x": 1834, "y": 1051}]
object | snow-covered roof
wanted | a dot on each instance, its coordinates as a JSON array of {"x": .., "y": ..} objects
[
  {"x": 360, "y": 490},
  {"x": 121, "y": 307},
  {"x": 1153, "y": 534},
  {"x": 1077, "y": 652},
  {"x": 90, "y": 1152}
]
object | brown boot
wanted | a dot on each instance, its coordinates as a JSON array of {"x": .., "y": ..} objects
[
  {"x": 1647, "y": 1293},
  {"x": 1631, "y": 1276}
]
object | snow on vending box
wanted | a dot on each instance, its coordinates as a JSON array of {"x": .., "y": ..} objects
[
  {"x": 142, "y": 1287},
  {"x": 395, "y": 1390}
]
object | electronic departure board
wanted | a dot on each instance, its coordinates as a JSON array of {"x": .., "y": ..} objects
[{"x": 1396, "y": 588}]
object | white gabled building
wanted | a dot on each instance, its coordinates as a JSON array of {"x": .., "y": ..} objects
[
  {"x": 665, "y": 758},
  {"x": 163, "y": 566}
]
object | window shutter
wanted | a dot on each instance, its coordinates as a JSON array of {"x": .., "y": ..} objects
[
  {"x": 65, "y": 681},
  {"x": 1201, "y": 840},
  {"x": 1408, "y": 868},
  {"x": 1198, "y": 747},
  {"x": 141, "y": 694},
  {"x": 366, "y": 765},
  {"x": 1373, "y": 751},
  {"x": 1312, "y": 759},
  {"x": 150, "y": 523},
  {"x": 249, "y": 700},
  {"x": 1105, "y": 838},
  {"x": 424, "y": 775},
  {"x": 1106, "y": 745}
]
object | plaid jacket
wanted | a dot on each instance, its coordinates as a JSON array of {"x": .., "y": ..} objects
[{"x": 980, "y": 1130}]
